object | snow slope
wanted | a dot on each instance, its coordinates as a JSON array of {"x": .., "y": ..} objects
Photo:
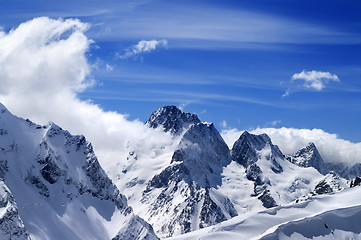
[
  {"x": 192, "y": 181},
  {"x": 59, "y": 187},
  {"x": 183, "y": 197},
  {"x": 195, "y": 180},
  {"x": 276, "y": 180},
  {"x": 331, "y": 216}
]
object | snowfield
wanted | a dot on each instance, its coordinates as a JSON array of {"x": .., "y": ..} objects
[{"x": 332, "y": 216}]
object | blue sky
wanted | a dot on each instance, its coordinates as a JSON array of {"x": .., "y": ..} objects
[{"x": 230, "y": 62}]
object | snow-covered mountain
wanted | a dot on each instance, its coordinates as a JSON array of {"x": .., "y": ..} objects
[
  {"x": 309, "y": 157},
  {"x": 197, "y": 181},
  {"x": 345, "y": 171},
  {"x": 53, "y": 187},
  {"x": 250, "y": 151},
  {"x": 330, "y": 216},
  {"x": 276, "y": 181},
  {"x": 183, "y": 196},
  {"x": 172, "y": 119}
]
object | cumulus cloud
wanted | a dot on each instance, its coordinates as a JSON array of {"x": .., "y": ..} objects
[
  {"x": 143, "y": 47},
  {"x": 290, "y": 140},
  {"x": 43, "y": 67},
  {"x": 315, "y": 80}
]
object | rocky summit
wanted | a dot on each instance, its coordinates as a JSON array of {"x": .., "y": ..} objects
[
  {"x": 171, "y": 119},
  {"x": 309, "y": 157}
]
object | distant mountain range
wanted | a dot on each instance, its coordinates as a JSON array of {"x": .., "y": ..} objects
[{"x": 52, "y": 185}]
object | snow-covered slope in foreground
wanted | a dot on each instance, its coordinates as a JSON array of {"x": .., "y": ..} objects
[
  {"x": 332, "y": 216},
  {"x": 54, "y": 187}
]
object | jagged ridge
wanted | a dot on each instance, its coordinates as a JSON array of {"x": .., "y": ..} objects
[
  {"x": 172, "y": 119},
  {"x": 59, "y": 186}
]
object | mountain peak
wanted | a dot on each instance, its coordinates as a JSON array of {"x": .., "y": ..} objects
[
  {"x": 203, "y": 152},
  {"x": 172, "y": 119},
  {"x": 254, "y": 152},
  {"x": 257, "y": 142},
  {"x": 245, "y": 151},
  {"x": 311, "y": 145},
  {"x": 309, "y": 157},
  {"x": 186, "y": 191}
]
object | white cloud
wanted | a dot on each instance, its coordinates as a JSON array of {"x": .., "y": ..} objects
[
  {"x": 109, "y": 67},
  {"x": 183, "y": 105},
  {"x": 224, "y": 124},
  {"x": 43, "y": 66},
  {"x": 315, "y": 80},
  {"x": 290, "y": 140},
  {"x": 144, "y": 47},
  {"x": 287, "y": 93},
  {"x": 208, "y": 26}
]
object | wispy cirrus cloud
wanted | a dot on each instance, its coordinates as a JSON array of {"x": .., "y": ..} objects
[
  {"x": 206, "y": 26},
  {"x": 143, "y": 47},
  {"x": 315, "y": 80},
  {"x": 202, "y": 26}
]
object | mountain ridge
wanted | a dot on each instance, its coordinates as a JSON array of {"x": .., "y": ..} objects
[
  {"x": 59, "y": 186},
  {"x": 52, "y": 179}
]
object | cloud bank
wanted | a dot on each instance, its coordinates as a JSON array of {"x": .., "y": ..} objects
[
  {"x": 144, "y": 47},
  {"x": 290, "y": 140},
  {"x": 315, "y": 80},
  {"x": 43, "y": 66}
]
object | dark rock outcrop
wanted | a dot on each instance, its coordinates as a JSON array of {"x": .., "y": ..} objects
[
  {"x": 246, "y": 151},
  {"x": 172, "y": 119},
  {"x": 309, "y": 157}
]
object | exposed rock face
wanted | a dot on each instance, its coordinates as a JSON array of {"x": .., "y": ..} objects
[
  {"x": 247, "y": 151},
  {"x": 188, "y": 199},
  {"x": 54, "y": 168},
  {"x": 331, "y": 183},
  {"x": 11, "y": 225},
  {"x": 345, "y": 171},
  {"x": 355, "y": 182},
  {"x": 309, "y": 157},
  {"x": 203, "y": 152},
  {"x": 172, "y": 119}
]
